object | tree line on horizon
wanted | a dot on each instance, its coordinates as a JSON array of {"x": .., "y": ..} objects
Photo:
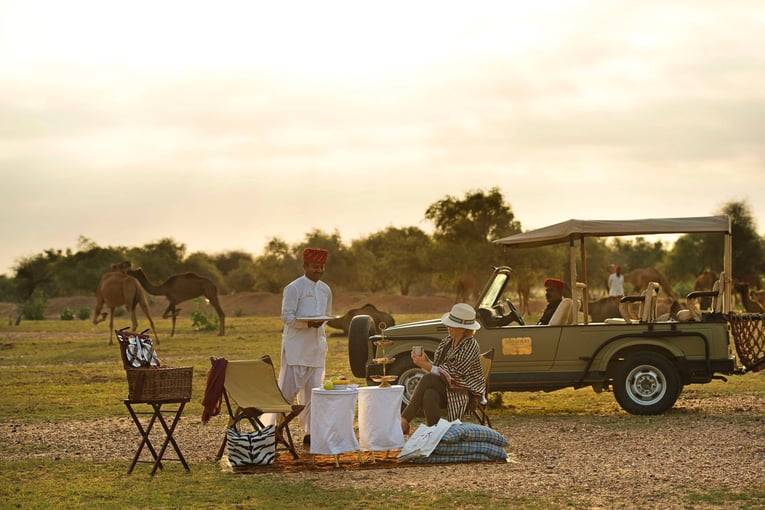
[{"x": 405, "y": 261}]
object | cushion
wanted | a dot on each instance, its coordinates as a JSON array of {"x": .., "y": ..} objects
[
  {"x": 442, "y": 459},
  {"x": 469, "y": 448},
  {"x": 473, "y": 432},
  {"x": 252, "y": 448}
]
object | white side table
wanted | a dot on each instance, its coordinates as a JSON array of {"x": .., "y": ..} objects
[
  {"x": 332, "y": 415},
  {"x": 380, "y": 418}
]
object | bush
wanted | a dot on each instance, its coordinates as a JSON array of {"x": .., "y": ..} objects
[
  {"x": 67, "y": 314},
  {"x": 34, "y": 308},
  {"x": 201, "y": 321},
  {"x": 83, "y": 313}
]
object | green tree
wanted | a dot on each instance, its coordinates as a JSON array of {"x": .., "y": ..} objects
[
  {"x": 276, "y": 267},
  {"x": 393, "y": 257},
  {"x": 694, "y": 253},
  {"x": 463, "y": 231},
  {"x": 160, "y": 259}
]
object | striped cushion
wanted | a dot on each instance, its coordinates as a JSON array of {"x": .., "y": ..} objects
[
  {"x": 473, "y": 432},
  {"x": 469, "y": 448},
  {"x": 252, "y": 448}
]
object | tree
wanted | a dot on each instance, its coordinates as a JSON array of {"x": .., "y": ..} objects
[
  {"x": 275, "y": 268},
  {"x": 395, "y": 256},
  {"x": 464, "y": 231},
  {"x": 693, "y": 253},
  {"x": 160, "y": 259}
]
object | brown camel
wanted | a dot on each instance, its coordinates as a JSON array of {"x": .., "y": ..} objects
[
  {"x": 705, "y": 281},
  {"x": 640, "y": 278},
  {"x": 116, "y": 288},
  {"x": 750, "y": 305},
  {"x": 523, "y": 287},
  {"x": 465, "y": 288},
  {"x": 179, "y": 288}
]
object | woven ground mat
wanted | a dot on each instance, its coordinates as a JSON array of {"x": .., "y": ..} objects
[{"x": 307, "y": 462}]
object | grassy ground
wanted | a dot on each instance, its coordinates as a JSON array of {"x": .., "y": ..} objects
[{"x": 60, "y": 371}]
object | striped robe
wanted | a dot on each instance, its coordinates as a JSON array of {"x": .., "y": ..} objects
[{"x": 464, "y": 366}]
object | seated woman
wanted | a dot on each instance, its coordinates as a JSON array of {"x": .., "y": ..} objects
[{"x": 453, "y": 376}]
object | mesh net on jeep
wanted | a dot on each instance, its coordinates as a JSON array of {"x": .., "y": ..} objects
[{"x": 749, "y": 337}]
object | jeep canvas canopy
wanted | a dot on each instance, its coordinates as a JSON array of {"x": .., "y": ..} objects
[
  {"x": 578, "y": 229},
  {"x": 571, "y": 230}
]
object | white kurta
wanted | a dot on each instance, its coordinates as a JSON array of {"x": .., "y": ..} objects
[{"x": 304, "y": 349}]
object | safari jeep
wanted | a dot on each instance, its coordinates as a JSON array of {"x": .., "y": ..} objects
[{"x": 645, "y": 361}]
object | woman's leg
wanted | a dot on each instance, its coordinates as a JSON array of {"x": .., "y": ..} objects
[{"x": 430, "y": 396}]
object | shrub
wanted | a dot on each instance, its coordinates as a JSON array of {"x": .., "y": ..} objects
[
  {"x": 83, "y": 313},
  {"x": 34, "y": 308},
  {"x": 67, "y": 314},
  {"x": 201, "y": 321}
]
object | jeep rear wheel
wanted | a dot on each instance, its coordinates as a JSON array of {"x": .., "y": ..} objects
[
  {"x": 646, "y": 383},
  {"x": 408, "y": 374},
  {"x": 361, "y": 328}
]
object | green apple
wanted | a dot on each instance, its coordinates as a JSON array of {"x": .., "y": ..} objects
[{"x": 329, "y": 385}]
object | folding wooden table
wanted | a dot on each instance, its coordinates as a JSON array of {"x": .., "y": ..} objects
[{"x": 168, "y": 426}]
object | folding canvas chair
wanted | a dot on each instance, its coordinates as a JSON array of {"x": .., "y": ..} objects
[
  {"x": 251, "y": 386},
  {"x": 478, "y": 408}
]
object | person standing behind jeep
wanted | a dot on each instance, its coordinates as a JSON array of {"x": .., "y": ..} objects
[
  {"x": 616, "y": 282},
  {"x": 554, "y": 294},
  {"x": 304, "y": 343}
]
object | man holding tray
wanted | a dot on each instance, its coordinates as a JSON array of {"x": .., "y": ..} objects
[{"x": 306, "y": 306}]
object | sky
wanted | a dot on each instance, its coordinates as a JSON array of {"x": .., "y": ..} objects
[{"x": 223, "y": 124}]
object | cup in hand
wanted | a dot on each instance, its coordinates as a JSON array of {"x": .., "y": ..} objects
[{"x": 417, "y": 349}]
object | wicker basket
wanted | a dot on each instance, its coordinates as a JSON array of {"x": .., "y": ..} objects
[{"x": 148, "y": 384}]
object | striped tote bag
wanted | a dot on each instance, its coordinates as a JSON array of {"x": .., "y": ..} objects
[{"x": 252, "y": 448}]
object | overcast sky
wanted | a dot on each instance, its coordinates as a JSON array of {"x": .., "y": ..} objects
[{"x": 224, "y": 124}]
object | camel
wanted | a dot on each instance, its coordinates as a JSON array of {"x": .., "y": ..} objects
[
  {"x": 179, "y": 288},
  {"x": 117, "y": 288},
  {"x": 465, "y": 288},
  {"x": 523, "y": 287},
  {"x": 640, "y": 278},
  {"x": 705, "y": 281},
  {"x": 746, "y": 300}
]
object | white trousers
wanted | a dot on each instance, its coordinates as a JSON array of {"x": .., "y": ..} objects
[{"x": 298, "y": 381}]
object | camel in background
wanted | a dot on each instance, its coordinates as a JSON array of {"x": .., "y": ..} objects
[
  {"x": 640, "y": 278},
  {"x": 117, "y": 288},
  {"x": 746, "y": 300},
  {"x": 465, "y": 288},
  {"x": 705, "y": 281},
  {"x": 523, "y": 287},
  {"x": 179, "y": 288}
]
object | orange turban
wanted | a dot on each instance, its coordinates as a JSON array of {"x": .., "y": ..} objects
[
  {"x": 554, "y": 282},
  {"x": 315, "y": 255}
]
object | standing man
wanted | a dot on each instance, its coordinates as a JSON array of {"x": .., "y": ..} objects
[
  {"x": 304, "y": 342},
  {"x": 616, "y": 282}
]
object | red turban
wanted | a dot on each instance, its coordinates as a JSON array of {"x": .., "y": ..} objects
[
  {"x": 554, "y": 282},
  {"x": 315, "y": 255}
]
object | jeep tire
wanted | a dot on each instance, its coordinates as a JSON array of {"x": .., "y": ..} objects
[
  {"x": 361, "y": 328},
  {"x": 646, "y": 383}
]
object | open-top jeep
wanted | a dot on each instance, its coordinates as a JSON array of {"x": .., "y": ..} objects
[{"x": 644, "y": 361}]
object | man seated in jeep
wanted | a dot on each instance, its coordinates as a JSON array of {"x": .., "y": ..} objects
[{"x": 554, "y": 295}]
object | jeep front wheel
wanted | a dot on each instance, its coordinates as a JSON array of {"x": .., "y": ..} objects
[
  {"x": 408, "y": 374},
  {"x": 646, "y": 383}
]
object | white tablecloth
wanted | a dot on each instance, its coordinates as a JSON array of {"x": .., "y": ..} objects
[
  {"x": 332, "y": 414},
  {"x": 380, "y": 418}
]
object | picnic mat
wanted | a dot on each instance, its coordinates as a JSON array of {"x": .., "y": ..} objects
[{"x": 284, "y": 462}]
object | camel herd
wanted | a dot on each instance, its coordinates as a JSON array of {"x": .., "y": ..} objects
[{"x": 123, "y": 286}]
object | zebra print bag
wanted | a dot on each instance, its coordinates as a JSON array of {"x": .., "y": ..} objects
[{"x": 252, "y": 448}]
